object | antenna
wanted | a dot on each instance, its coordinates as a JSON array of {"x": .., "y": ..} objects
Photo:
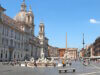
[{"x": 83, "y": 41}]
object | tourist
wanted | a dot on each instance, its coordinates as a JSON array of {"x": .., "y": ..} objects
[
  {"x": 25, "y": 63},
  {"x": 35, "y": 64},
  {"x": 54, "y": 65},
  {"x": 46, "y": 65},
  {"x": 63, "y": 63}
]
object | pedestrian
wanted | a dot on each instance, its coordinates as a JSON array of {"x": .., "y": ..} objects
[
  {"x": 54, "y": 65},
  {"x": 63, "y": 63},
  {"x": 35, "y": 64},
  {"x": 25, "y": 63},
  {"x": 46, "y": 65},
  {"x": 19, "y": 63},
  {"x": 70, "y": 63}
]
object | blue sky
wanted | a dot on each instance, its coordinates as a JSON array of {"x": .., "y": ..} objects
[{"x": 60, "y": 16}]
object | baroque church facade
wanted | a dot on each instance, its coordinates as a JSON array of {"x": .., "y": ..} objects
[{"x": 17, "y": 39}]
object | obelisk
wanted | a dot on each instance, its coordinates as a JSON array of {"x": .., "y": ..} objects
[
  {"x": 66, "y": 40},
  {"x": 66, "y": 50}
]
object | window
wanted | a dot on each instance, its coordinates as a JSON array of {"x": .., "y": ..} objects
[
  {"x": 14, "y": 55},
  {"x": 1, "y": 55},
  {"x": 7, "y": 42},
  {"x": 3, "y": 30},
  {"x": 15, "y": 35},
  {"x": 2, "y": 41},
  {"x": 18, "y": 45},
  {"x": 18, "y": 55},
  {"x": 7, "y": 31},
  {"x": 11, "y": 42},
  {"x": 41, "y": 29},
  {"x": 15, "y": 44},
  {"x": 11, "y": 33},
  {"x": 0, "y": 16},
  {"x": 6, "y": 54},
  {"x": 21, "y": 55}
]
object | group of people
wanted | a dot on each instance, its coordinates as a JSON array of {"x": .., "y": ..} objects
[
  {"x": 13, "y": 63},
  {"x": 86, "y": 62},
  {"x": 66, "y": 62},
  {"x": 36, "y": 64}
]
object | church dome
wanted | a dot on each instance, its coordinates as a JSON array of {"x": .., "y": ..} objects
[
  {"x": 21, "y": 16},
  {"x": 25, "y": 16}
]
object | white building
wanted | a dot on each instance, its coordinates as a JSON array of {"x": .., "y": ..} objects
[{"x": 17, "y": 39}]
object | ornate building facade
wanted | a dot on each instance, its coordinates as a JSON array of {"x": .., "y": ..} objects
[{"x": 17, "y": 39}]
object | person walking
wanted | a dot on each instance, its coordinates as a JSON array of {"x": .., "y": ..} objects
[{"x": 63, "y": 62}]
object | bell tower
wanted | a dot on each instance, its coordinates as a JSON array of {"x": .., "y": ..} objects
[
  {"x": 41, "y": 30},
  {"x": 30, "y": 20},
  {"x": 42, "y": 39},
  {"x": 1, "y": 11},
  {"x": 30, "y": 17}
]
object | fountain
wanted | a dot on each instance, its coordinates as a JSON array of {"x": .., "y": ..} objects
[
  {"x": 42, "y": 61},
  {"x": 31, "y": 62}
]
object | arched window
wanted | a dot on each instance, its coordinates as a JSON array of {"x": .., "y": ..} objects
[
  {"x": 6, "y": 55},
  {"x": 1, "y": 55},
  {"x": 14, "y": 56},
  {"x": 41, "y": 29},
  {"x": 11, "y": 42},
  {"x": 21, "y": 55},
  {"x": 18, "y": 55}
]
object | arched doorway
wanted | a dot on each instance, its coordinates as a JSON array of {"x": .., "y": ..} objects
[
  {"x": 10, "y": 53},
  {"x": 1, "y": 55}
]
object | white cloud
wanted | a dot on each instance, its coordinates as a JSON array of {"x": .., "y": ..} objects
[{"x": 94, "y": 21}]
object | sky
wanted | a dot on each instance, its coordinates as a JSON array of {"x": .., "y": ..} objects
[{"x": 60, "y": 16}]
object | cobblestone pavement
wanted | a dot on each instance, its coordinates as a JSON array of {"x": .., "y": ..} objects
[{"x": 92, "y": 69}]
